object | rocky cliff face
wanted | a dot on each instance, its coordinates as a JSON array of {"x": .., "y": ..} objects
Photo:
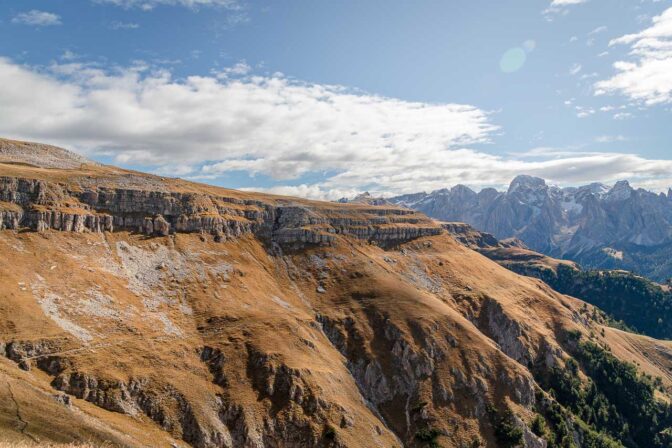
[
  {"x": 41, "y": 205},
  {"x": 597, "y": 226}
]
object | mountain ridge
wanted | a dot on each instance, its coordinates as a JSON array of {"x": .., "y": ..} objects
[{"x": 600, "y": 227}]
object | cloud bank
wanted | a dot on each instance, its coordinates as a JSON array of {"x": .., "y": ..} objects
[{"x": 204, "y": 127}]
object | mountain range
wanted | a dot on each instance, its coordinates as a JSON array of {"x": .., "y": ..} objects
[
  {"x": 144, "y": 311},
  {"x": 598, "y": 226}
]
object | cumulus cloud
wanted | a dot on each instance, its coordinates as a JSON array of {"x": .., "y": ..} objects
[
  {"x": 646, "y": 77},
  {"x": 205, "y": 127},
  {"x": 37, "y": 18},
  {"x": 269, "y": 125}
]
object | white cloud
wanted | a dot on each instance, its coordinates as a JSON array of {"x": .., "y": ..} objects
[
  {"x": 313, "y": 191},
  {"x": 575, "y": 69},
  {"x": 478, "y": 170},
  {"x": 151, "y": 4},
  {"x": 240, "y": 68},
  {"x": 69, "y": 55},
  {"x": 622, "y": 115},
  {"x": 567, "y": 2},
  {"x": 268, "y": 125},
  {"x": 37, "y": 18},
  {"x": 202, "y": 127},
  {"x": 583, "y": 112},
  {"x": 589, "y": 75},
  {"x": 598, "y": 30},
  {"x": 609, "y": 138},
  {"x": 124, "y": 26},
  {"x": 647, "y": 79},
  {"x": 560, "y": 7}
]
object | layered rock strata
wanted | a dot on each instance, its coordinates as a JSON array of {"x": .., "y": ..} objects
[{"x": 41, "y": 205}]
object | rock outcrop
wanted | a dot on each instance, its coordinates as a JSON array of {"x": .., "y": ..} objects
[{"x": 42, "y": 205}]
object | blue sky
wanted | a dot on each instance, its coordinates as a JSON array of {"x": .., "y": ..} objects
[{"x": 329, "y": 98}]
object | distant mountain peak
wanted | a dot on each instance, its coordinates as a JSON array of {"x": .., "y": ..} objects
[
  {"x": 364, "y": 198},
  {"x": 620, "y": 191},
  {"x": 597, "y": 188},
  {"x": 461, "y": 187},
  {"x": 463, "y": 191},
  {"x": 524, "y": 181}
]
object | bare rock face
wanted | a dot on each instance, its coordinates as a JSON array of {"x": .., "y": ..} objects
[
  {"x": 10, "y": 219},
  {"x": 156, "y": 226}
]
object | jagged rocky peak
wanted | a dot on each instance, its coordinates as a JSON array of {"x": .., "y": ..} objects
[
  {"x": 525, "y": 182},
  {"x": 596, "y": 188},
  {"x": 488, "y": 194},
  {"x": 462, "y": 191},
  {"x": 40, "y": 155},
  {"x": 364, "y": 198},
  {"x": 620, "y": 191}
]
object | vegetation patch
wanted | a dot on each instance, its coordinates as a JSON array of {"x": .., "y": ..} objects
[
  {"x": 616, "y": 404},
  {"x": 507, "y": 432},
  {"x": 427, "y": 437}
]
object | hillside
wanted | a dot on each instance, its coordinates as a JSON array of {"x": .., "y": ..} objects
[
  {"x": 598, "y": 226},
  {"x": 146, "y": 311},
  {"x": 627, "y": 298}
]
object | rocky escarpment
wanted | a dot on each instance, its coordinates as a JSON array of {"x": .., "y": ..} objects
[{"x": 41, "y": 205}]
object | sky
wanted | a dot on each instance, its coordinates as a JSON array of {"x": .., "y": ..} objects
[{"x": 325, "y": 99}]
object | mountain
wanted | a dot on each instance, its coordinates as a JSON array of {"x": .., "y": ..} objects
[
  {"x": 364, "y": 198},
  {"x": 597, "y": 226},
  {"x": 143, "y": 311},
  {"x": 632, "y": 300}
]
